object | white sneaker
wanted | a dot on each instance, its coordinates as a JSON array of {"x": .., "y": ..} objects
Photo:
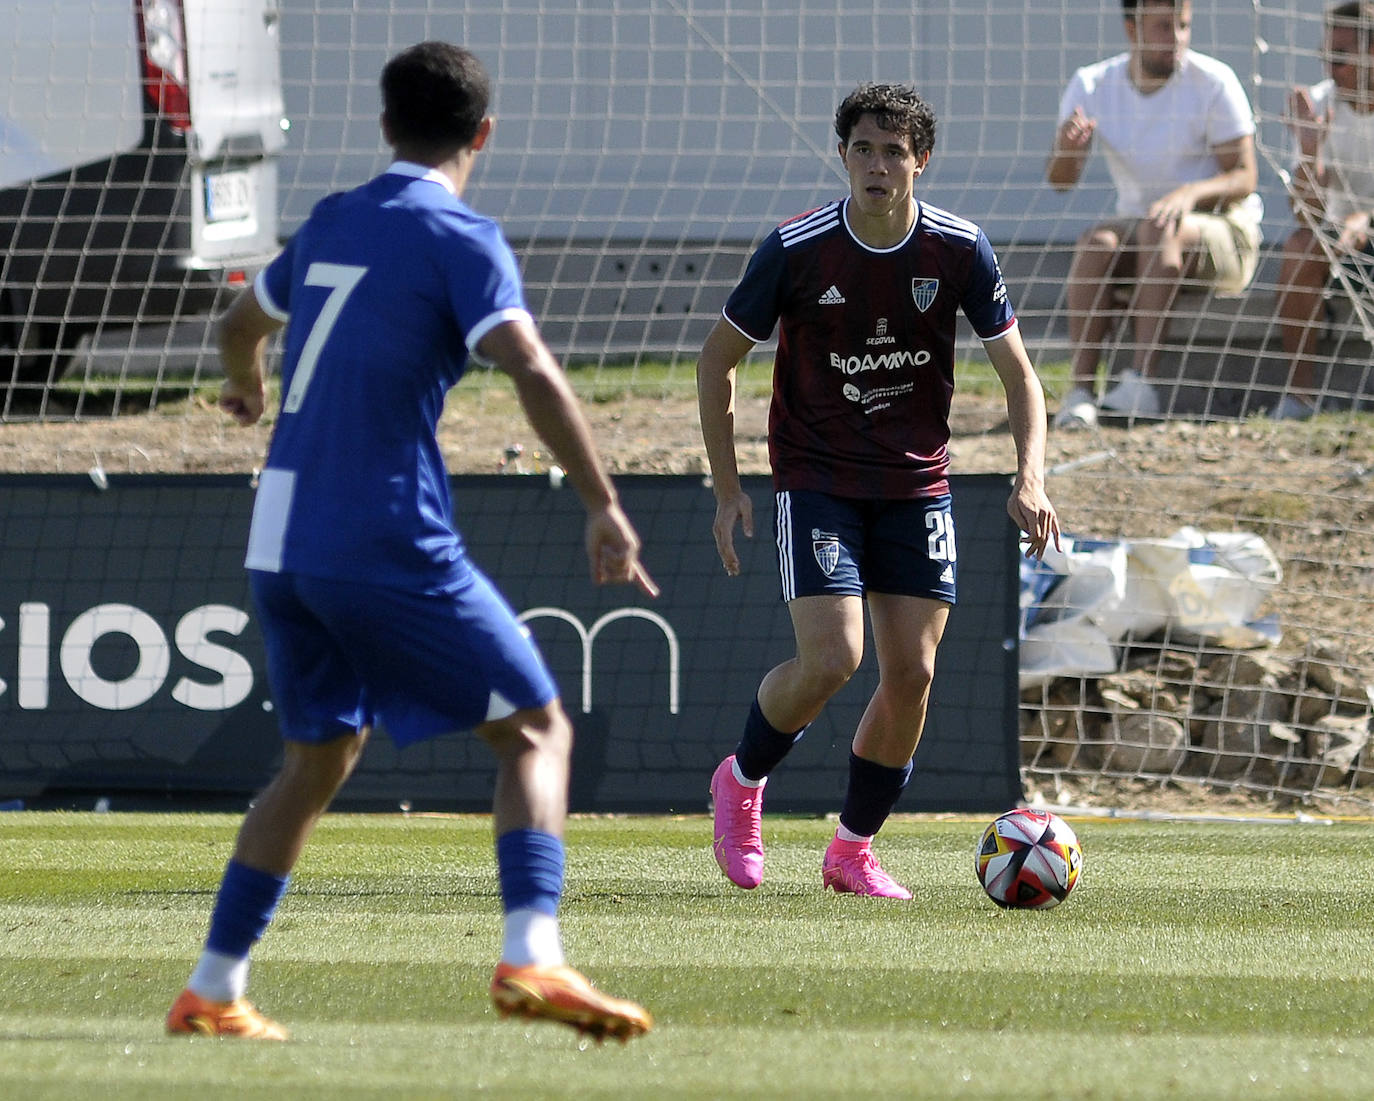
[
  {"x": 1077, "y": 411},
  {"x": 1290, "y": 408},
  {"x": 1130, "y": 399}
]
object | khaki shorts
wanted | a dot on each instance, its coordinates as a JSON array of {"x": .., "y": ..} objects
[
  {"x": 1230, "y": 249},
  {"x": 1232, "y": 245}
]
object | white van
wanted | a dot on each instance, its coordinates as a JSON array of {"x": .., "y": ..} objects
[{"x": 138, "y": 166}]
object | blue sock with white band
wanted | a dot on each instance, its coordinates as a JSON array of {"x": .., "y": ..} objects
[
  {"x": 244, "y": 907},
  {"x": 530, "y": 866}
]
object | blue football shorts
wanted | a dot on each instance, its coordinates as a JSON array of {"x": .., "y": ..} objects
[
  {"x": 851, "y": 547},
  {"x": 343, "y": 654}
]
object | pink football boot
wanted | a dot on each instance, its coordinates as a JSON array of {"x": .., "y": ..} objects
[
  {"x": 850, "y": 867},
  {"x": 739, "y": 811}
]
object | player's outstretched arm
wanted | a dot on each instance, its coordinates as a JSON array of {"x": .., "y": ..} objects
[
  {"x": 242, "y": 334},
  {"x": 554, "y": 413},
  {"x": 1029, "y": 506},
  {"x": 720, "y": 355}
]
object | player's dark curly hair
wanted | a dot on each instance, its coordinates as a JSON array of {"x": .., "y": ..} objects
[
  {"x": 896, "y": 108},
  {"x": 434, "y": 96},
  {"x": 1128, "y": 7},
  {"x": 1352, "y": 13}
]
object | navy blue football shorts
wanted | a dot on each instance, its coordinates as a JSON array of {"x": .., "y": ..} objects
[
  {"x": 342, "y": 655},
  {"x": 851, "y": 547}
]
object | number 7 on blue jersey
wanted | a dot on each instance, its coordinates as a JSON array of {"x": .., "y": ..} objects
[{"x": 341, "y": 279}]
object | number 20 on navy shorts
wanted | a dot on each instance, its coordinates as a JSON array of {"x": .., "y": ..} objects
[{"x": 850, "y": 547}]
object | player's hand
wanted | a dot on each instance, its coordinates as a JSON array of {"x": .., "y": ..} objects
[
  {"x": 613, "y": 551},
  {"x": 1032, "y": 512},
  {"x": 735, "y": 508},
  {"x": 244, "y": 403}
]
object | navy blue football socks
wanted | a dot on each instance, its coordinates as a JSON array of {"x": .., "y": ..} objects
[
  {"x": 762, "y": 747},
  {"x": 530, "y": 866},
  {"x": 872, "y": 793},
  {"x": 244, "y": 907}
]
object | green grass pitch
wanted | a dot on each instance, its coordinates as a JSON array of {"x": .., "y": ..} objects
[{"x": 1194, "y": 960}]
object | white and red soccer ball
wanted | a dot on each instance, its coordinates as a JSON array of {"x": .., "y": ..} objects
[{"x": 1029, "y": 860}]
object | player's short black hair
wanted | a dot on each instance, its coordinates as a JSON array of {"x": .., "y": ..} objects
[
  {"x": 897, "y": 108},
  {"x": 434, "y": 96}
]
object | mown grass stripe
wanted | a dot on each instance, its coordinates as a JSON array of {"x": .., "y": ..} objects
[{"x": 1197, "y": 960}]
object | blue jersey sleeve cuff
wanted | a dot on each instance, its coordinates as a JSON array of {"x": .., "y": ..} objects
[
  {"x": 265, "y": 300},
  {"x": 500, "y": 317}
]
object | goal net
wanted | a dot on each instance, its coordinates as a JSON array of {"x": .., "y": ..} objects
[{"x": 643, "y": 148}]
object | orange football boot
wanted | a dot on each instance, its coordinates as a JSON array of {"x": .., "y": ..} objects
[
  {"x": 564, "y": 995},
  {"x": 192, "y": 1013}
]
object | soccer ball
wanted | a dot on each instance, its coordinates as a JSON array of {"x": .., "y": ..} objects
[{"x": 1028, "y": 860}]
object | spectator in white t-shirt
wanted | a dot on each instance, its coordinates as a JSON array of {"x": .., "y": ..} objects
[
  {"x": 1178, "y": 134},
  {"x": 1332, "y": 190}
]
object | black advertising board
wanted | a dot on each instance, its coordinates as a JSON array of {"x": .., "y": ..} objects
[{"x": 131, "y": 666}]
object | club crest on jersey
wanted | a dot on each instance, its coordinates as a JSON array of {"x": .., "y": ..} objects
[
  {"x": 826, "y": 547},
  {"x": 924, "y": 291}
]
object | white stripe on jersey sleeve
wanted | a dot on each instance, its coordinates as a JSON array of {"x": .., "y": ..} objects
[
  {"x": 735, "y": 325},
  {"x": 950, "y": 223},
  {"x": 807, "y": 226}
]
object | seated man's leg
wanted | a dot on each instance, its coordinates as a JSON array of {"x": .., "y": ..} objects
[
  {"x": 1303, "y": 275},
  {"x": 1199, "y": 250},
  {"x": 1167, "y": 255},
  {"x": 1101, "y": 256}
]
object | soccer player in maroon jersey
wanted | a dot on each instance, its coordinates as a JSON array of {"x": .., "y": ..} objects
[{"x": 864, "y": 291}]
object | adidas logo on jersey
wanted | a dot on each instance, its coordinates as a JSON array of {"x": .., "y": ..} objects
[
  {"x": 947, "y": 575},
  {"x": 832, "y": 297}
]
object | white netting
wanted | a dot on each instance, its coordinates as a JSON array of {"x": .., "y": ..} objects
[{"x": 644, "y": 146}]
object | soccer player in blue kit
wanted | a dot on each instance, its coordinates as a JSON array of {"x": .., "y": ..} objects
[
  {"x": 370, "y": 609},
  {"x": 864, "y": 291}
]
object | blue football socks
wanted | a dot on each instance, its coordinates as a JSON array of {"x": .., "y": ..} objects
[
  {"x": 762, "y": 747},
  {"x": 872, "y": 793},
  {"x": 530, "y": 866},
  {"x": 244, "y": 907}
]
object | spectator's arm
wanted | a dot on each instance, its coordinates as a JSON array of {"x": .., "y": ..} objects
[
  {"x": 1237, "y": 176},
  {"x": 1073, "y": 140},
  {"x": 1311, "y": 176}
]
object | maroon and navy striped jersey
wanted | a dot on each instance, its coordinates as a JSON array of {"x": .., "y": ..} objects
[{"x": 864, "y": 370}]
